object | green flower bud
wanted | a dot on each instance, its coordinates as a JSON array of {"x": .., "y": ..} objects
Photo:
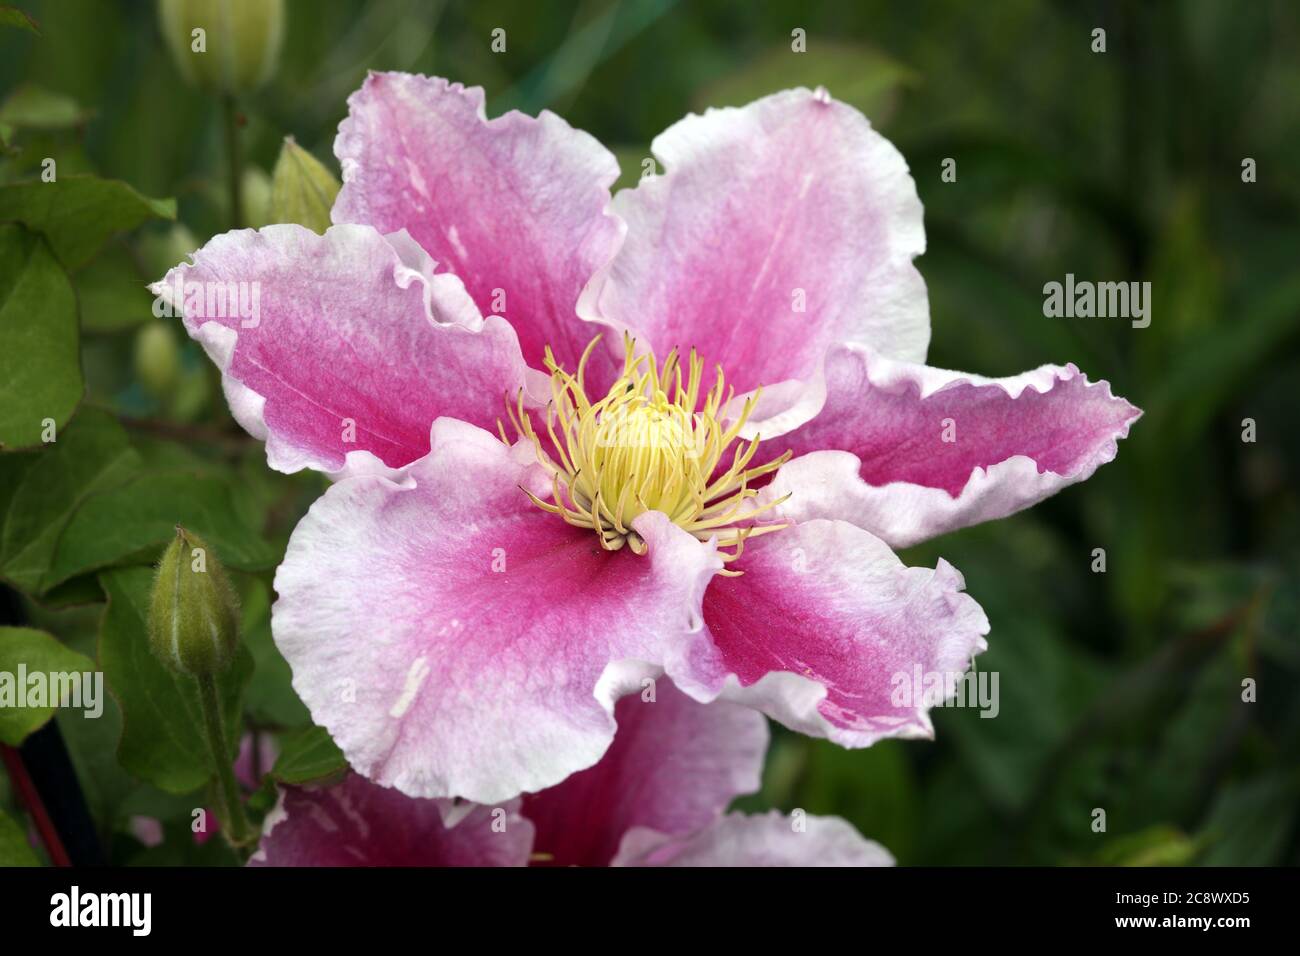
[
  {"x": 302, "y": 189},
  {"x": 157, "y": 359},
  {"x": 194, "y": 612},
  {"x": 229, "y": 46}
]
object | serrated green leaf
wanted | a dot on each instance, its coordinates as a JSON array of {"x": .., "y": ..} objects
[
  {"x": 77, "y": 214},
  {"x": 90, "y": 455},
  {"x": 37, "y": 653},
  {"x": 306, "y": 755},
  {"x": 40, "y": 365},
  {"x": 162, "y": 740}
]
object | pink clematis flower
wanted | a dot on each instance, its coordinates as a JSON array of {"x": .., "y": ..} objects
[
  {"x": 657, "y": 798},
  {"x": 462, "y": 611}
]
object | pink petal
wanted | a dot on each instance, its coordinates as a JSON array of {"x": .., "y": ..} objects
[
  {"x": 148, "y": 830},
  {"x": 675, "y": 765},
  {"x": 357, "y": 823},
  {"x": 768, "y": 840},
  {"x": 1017, "y": 441},
  {"x": 515, "y": 204},
  {"x": 823, "y": 625},
  {"x": 793, "y": 192},
  {"x": 353, "y": 338},
  {"x": 440, "y": 676},
  {"x": 246, "y": 771}
]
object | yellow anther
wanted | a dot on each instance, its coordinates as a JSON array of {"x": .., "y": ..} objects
[{"x": 650, "y": 444}]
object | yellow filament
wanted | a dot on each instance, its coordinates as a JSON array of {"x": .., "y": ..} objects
[{"x": 648, "y": 445}]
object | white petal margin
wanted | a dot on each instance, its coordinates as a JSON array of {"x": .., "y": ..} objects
[
  {"x": 874, "y": 454},
  {"x": 455, "y": 640},
  {"x": 773, "y": 839},
  {"x": 776, "y": 230},
  {"x": 339, "y": 350},
  {"x": 825, "y": 629}
]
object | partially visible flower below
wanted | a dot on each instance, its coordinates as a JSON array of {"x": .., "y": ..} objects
[
  {"x": 657, "y": 798},
  {"x": 461, "y": 613}
]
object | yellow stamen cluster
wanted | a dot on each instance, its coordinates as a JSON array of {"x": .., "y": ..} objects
[{"x": 648, "y": 445}]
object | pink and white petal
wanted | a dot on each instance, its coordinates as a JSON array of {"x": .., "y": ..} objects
[
  {"x": 359, "y": 823},
  {"x": 792, "y": 197},
  {"x": 517, "y": 207},
  {"x": 345, "y": 347},
  {"x": 771, "y": 839},
  {"x": 920, "y": 451},
  {"x": 675, "y": 766},
  {"x": 456, "y": 640},
  {"x": 825, "y": 629}
]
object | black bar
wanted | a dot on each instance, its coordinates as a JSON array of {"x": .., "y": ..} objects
[{"x": 250, "y": 905}]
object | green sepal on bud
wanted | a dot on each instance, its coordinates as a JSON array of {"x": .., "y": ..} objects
[
  {"x": 302, "y": 189},
  {"x": 194, "y": 611},
  {"x": 227, "y": 46}
]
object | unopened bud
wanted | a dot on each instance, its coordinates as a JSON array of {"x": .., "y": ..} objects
[
  {"x": 230, "y": 46},
  {"x": 194, "y": 612}
]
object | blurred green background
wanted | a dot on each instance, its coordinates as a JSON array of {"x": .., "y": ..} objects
[{"x": 1119, "y": 690}]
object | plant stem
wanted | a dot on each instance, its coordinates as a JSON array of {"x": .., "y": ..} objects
[
  {"x": 235, "y": 822},
  {"x": 234, "y": 161}
]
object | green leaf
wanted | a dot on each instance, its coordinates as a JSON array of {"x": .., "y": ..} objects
[
  {"x": 271, "y": 700},
  {"x": 91, "y": 747},
  {"x": 78, "y": 592},
  {"x": 162, "y": 739},
  {"x": 14, "y": 848},
  {"x": 131, "y": 523},
  {"x": 302, "y": 189},
  {"x": 13, "y": 17},
  {"x": 35, "y": 107},
  {"x": 90, "y": 455},
  {"x": 39, "y": 654},
  {"x": 77, "y": 214},
  {"x": 40, "y": 365},
  {"x": 306, "y": 755}
]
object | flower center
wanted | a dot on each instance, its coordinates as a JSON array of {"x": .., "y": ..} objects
[{"x": 653, "y": 443}]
